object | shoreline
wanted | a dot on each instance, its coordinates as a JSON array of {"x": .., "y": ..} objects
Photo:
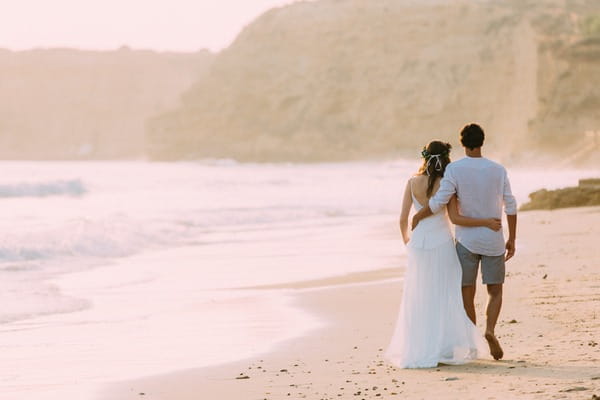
[
  {"x": 352, "y": 278},
  {"x": 548, "y": 328}
]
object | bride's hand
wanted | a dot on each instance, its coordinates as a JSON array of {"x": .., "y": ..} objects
[{"x": 494, "y": 224}]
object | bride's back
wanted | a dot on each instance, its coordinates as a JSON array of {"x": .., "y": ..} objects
[
  {"x": 418, "y": 187},
  {"x": 431, "y": 231}
]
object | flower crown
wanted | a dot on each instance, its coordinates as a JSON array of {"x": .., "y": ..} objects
[{"x": 427, "y": 155}]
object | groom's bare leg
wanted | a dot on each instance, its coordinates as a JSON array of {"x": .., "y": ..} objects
[
  {"x": 492, "y": 312},
  {"x": 468, "y": 295}
]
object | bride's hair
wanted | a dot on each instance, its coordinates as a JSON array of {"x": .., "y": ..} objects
[{"x": 436, "y": 156}]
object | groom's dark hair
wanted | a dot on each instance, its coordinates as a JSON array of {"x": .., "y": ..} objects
[{"x": 472, "y": 136}]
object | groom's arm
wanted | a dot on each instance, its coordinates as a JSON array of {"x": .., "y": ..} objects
[
  {"x": 512, "y": 236},
  {"x": 510, "y": 208},
  {"x": 440, "y": 199},
  {"x": 421, "y": 214}
]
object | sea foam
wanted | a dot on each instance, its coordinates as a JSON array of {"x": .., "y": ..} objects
[{"x": 73, "y": 187}]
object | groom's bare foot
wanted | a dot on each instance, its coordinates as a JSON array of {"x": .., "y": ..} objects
[{"x": 495, "y": 348}]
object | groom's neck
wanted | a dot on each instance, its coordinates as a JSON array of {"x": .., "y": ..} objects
[{"x": 473, "y": 152}]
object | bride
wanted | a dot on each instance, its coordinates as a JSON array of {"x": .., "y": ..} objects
[{"x": 432, "y": 325}]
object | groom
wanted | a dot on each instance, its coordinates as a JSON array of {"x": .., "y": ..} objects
[{"x": 482, "y": 187}]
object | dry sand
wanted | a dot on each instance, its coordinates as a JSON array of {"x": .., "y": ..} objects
[{"x": 549, "y": 328}]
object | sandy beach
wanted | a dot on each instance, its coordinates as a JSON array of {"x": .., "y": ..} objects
[{"x": 549, "y": 329}]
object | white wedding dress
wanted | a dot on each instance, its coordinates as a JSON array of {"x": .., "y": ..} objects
[{"x": 433, "y": 326}]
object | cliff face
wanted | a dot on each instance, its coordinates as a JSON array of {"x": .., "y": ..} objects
[
  {"x": 70, "y": 104},
  {"x": 334, "y": 79},
  {"x": 568, "y": 121}
]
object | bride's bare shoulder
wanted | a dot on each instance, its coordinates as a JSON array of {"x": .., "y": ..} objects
[{"x": 418, "y": 179}]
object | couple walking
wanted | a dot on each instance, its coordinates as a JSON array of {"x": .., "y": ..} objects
[{"x": 436, "y": 323}]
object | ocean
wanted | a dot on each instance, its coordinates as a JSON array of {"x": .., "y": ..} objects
[{"x": 118, "y": 270}]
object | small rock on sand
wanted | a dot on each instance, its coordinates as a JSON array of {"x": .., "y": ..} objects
[{"x": 575, "y": 389}]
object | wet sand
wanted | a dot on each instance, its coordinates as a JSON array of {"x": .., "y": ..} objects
[{"x": 549, "y": 328}]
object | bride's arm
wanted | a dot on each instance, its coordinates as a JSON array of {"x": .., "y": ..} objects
[
  {"x": 406, "y": 204},
  {"x": 492, "y": 223}
]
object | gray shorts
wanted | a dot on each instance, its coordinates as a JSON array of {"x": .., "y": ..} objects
[{"x": 492, "y": 267}]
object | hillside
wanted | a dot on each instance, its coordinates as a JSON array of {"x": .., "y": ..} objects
[
  {"x": 71, "y": 104},
  {"x": 568, "y": 121},
  {"x": 332, "y": 80}
]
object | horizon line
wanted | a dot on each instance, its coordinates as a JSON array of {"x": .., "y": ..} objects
[{"x": 123, "y": 48}]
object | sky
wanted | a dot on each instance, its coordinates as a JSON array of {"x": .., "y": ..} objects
[{"x": 163, "y": 25}]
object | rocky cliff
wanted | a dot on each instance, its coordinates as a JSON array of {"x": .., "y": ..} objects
[
  {"x": 333, "y": 79},
  {"x": 71, "y": 104}
]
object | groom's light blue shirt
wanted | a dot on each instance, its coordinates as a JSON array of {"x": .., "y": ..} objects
[{"x": 483, "y": 189}]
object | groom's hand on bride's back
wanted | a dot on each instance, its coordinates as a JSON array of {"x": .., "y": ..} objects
[
  {"x": 415, "y": 222},
  {"x": 422, "y": 213}
]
